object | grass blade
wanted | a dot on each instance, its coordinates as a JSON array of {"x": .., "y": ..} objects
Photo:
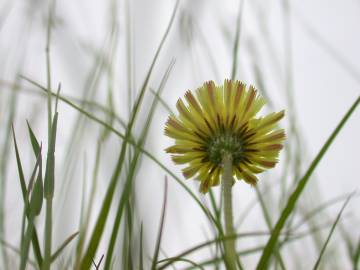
[
  {"x": 266, "y": 255},
  {"x": 63, "y": 246},
  {"x": 20, "y": 170}
]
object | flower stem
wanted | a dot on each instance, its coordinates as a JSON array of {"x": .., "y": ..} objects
[{"x": 227, "y": 181}]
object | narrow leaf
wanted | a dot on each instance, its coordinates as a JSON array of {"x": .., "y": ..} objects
[
  {"x": 34, "y": 142},
  {"x": 161, "y": 227}
]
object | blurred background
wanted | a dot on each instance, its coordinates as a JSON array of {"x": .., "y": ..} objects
[{"x": 303, "y": 56}]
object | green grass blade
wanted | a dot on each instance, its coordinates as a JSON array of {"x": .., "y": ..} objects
[
  {"x": 266, "y": 255},
  {"x": 34, "y": 142},
  {"x": 267, "y": 217},
  {"x": 307, "y": 216},
  {"x": 161, "y": 227},
  {"x": 331, "y": 232},
  {"x": 128, "y": 186}
]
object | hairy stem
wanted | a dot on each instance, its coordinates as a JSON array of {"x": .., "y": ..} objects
[{"x": 227, "y": 181}]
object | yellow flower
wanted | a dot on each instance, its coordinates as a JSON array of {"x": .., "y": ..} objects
[{"x": 219, "y": 120}]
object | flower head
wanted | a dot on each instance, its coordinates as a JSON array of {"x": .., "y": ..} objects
[{"x": 220, "y": 120}]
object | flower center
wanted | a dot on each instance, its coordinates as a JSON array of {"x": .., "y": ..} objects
[{"x": 225, "y": 142}]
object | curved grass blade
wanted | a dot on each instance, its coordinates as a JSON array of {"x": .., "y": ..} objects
[
  {"x": 331, "y": 232},
  {"x": 63, "y": 246},
  {"x": 266, "y": 255},
  {"x": 169, "y": 261},
  {"x": 143, "y": 150}
]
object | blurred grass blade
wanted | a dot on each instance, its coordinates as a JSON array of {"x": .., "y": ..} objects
[
  {"x": 161, "y": 227},
  {"x": 100, "y": 223},
  {"x": 17, "y": 251},
  {"x": 128, "y": 186},
  {"x": 194, "y": 264},
  {"x": 63, "y": 246},
  {"x": 331, "y": 232},
  {"x": 306, "y": 217},
  {"x": 141, "y": 262},
  {"x": 290, "y": 206}
]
